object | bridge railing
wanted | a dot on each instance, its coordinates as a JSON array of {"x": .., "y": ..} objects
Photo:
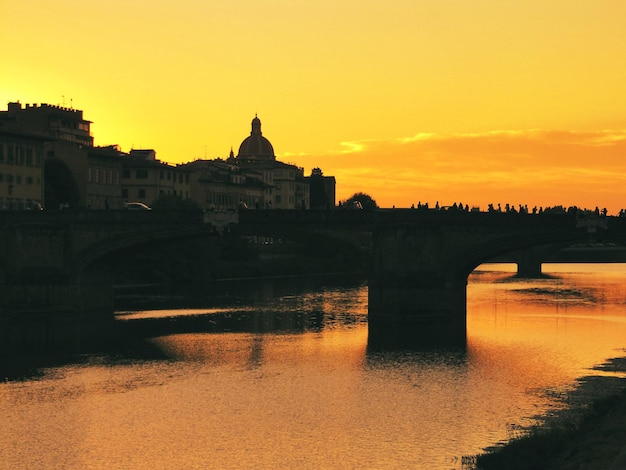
[
  {"x": 397, "y": 217},
  {"x": 98, "y": 217}
]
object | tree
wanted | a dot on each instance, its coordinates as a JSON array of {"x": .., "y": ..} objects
[{"x": 364, "y": 200}]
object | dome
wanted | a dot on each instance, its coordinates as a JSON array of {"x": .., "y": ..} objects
[{"x": 255, "y": 146}]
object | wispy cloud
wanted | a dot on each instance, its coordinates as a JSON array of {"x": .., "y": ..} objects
[{"x": 532, "y": 166}]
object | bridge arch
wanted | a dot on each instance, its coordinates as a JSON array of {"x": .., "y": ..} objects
[
  {"x": 461, "y": 263},
  {"x": 417, "y": 287}
]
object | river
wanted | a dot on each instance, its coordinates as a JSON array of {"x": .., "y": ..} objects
[{"x": 282, "y": 377}]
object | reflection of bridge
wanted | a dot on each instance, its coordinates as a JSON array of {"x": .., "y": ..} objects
[{"x": 419, "y": 261}]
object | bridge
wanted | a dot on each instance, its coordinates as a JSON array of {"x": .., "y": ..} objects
[
  {"x": 56, "y": 270},
  {"x": 420, "y": 260}
]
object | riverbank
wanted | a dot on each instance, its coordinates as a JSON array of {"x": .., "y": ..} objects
[{"x": 584, "y": 436}]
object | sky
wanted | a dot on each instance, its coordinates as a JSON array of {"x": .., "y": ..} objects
[{"x": 409, "y": 101}]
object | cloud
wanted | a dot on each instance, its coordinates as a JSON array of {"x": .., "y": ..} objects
[{"x": 587, "y": 168}]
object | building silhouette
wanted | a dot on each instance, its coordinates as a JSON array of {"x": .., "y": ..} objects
[
  {"x": 253, "y": 179},
  {"x": 145, "y": 178},
  {"x": 48, "y": 157},
  {"x": 285, "y": 186},
  {"x": 21, "y": 175}
]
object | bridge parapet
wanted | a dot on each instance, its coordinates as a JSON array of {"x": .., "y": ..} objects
[
  {"x": 69, "y": 217},
  {"x": 427, "y": 217}
]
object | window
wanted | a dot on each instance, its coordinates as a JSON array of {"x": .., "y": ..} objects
[
  {"x": 89, "y": 175},
  {"x": 1, "y": 177},
  {"x": 29, "y": 180},
  {"x": 126, "y": 174},
  {"x": 142, "y": 193},
  {"x": 97, "y": 175},
  {"x": 142, "y": 174},
  {"x": 125, "y": 193},
  {"x": 277, "y": 199}
]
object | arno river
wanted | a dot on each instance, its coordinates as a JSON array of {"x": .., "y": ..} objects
[{"x": 279, "y": 375}]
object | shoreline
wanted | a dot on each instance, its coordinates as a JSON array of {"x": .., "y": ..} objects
[{"x": 589, "y": 433}]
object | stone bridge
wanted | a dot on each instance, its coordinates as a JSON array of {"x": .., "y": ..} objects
[
  {"x": 420, "y": 260},
  {"x": 56, "y": 276},
  {"x": 420, "y": 267},
  {"x": 56, "y": 264}
]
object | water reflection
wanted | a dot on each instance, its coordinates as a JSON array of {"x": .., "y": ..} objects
[
  {"x": 290, "y": 306},
  {"x": 288, "y": 381}
]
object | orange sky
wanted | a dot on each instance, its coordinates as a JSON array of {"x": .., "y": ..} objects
[{"x": 408, "y": 100}]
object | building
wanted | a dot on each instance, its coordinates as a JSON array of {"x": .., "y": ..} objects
[
  {"x": 56, "y": 122},
  {"x": 144, "y": 178},
  {"x": 285, "y": 186},
  {"x": 322, "y": 189},
  {"x": 104, "y": 169},
  {"x": 217, "y": 184},
  {"x": 47, "y": 154},
  {"x": 76, "y": 173},
  {"x": 21, "y": 170}
]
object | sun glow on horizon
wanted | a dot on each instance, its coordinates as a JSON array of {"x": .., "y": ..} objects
[{"x": 457, "y": 101}]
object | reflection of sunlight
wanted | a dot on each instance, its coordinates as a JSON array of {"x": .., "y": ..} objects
[
  {"x": 243, "y": 349},
  {"x": 140, "y": 315},
  {"x": 574, "y": 317}
]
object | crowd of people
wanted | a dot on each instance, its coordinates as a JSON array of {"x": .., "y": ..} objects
[{"x": 520, "y": 209}]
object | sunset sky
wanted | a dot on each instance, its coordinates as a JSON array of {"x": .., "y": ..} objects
[{"x": 472, "y": 101}]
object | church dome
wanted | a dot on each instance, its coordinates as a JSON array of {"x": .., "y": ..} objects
[{"x": 255, "y": 146}]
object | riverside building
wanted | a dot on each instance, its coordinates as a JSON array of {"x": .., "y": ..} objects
[
  {"x": 76, "y": 174},
  {"x": 145, "y": 178},
  {"x": 21, "y": 170},
  {"x": 285, "y": 185}
]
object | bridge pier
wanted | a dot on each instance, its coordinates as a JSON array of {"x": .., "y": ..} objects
[
  {"x": 414, "y": 299},
  {"x": 528, "y": 265},
  {"x": 403, "y": 314}
]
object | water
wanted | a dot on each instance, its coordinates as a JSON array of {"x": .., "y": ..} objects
[{"x": 283, "y": 378}]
